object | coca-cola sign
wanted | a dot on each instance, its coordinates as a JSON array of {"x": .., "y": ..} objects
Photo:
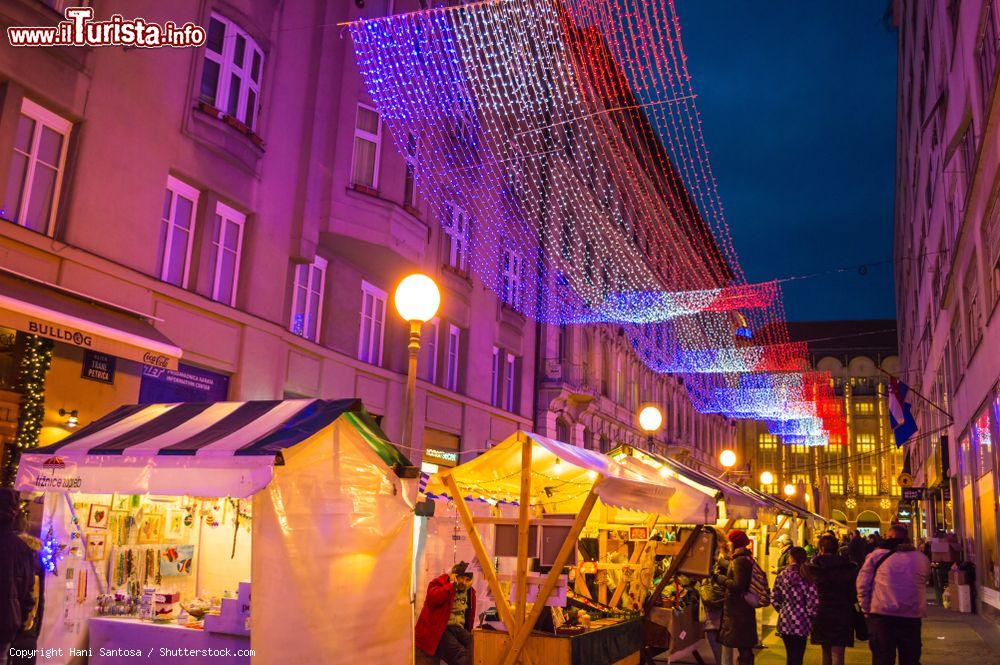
[{"x": 156, "y": 359}]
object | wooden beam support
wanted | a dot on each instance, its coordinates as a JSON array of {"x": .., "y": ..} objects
[
  {"x": 512, "y": 654},
  {"x": 523, "y": 530},
  {"x": 634, "y": 559},
  {"x": 778, "y": 526},
  {"x": 477, "y": 545},
  {"x": 675, "y": 563}
]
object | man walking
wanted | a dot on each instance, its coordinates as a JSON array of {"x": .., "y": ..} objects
[
  {"x": 785, "y": 543},
  {"x": 444, "y": 628},
  {"x": 856, "y": 550},
  {"x": 891, "y": 592},
  {"x": 17, "y": 575}
]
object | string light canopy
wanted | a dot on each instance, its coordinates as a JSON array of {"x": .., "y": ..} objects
[{"x": 559, "y": 145}]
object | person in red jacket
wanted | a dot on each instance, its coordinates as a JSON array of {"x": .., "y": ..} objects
[{"x": 444, "y": 628}]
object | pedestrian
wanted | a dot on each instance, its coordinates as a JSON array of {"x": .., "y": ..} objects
[
  {"x": 26, "y": 641},
  {"x": 871, "y": 543},
  {"x": 739, "y": 618},
  {"x": 444, "y": 628},
  {"x": 891, "y": 589},
  {"x": 856, "y": 549},
  {"x": 833, "y": 628},
  {"x": 796, "y": 600},
  {"x": 784, "y": 545},
  {"x": 17, "y": 575},
  {"x": 713, "y": 597}
]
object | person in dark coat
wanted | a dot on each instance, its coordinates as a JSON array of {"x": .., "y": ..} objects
[
  {"x": 739, "y": 619},
  {"x": 17, "y": 575},
  {"x": 444, "y": 628},
  {"x": 857, "y": 550},
  {"x": 833, "y": 627}
]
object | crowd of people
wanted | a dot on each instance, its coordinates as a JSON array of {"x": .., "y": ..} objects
[{"x": 830, "y": 593}]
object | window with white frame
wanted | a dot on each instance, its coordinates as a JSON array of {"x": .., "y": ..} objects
[
  {"x": 227, "y": 248},
  {"x": 36, "y": 168},
  {"x": 177, "y": 223},
  {"x": 372, "y": 330},
  {"x": 511, "y": 278},
  {"x": 367, "y": 147},
  {"x": 496, "y": 378},
  {"x": 509, "y": 381},
  {"x": 307, "y": 300},
  {"x": 867, "y": 485},
  {"x": 456, "y": 227},
  {"x": 454, "y": 347},
  {"x": 836, "y": 482},
  {"x": 409, "y": 184},
  {"x": 230, "y": 77},
  {"x": 429, "y": 350}
]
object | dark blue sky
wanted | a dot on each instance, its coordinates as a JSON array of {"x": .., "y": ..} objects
[{"x": 798, "y": 101}]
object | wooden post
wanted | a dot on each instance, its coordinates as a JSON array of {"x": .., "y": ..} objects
[
  {"x": 513, "y": 652},
  {"x": 523, "y": 531},
  {"x": 602, "y": 555},
  {"x": 675, "y": 563},
  {"x": 477, "y": 545},
  {"x": 778, "y": 526},
  {"x": 634, "y": 559}
]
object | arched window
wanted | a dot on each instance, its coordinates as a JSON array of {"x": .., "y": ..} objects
[
  {"x": 588, "y": 438},
  {"x": 562, "y": 430},
  {"x": 605, "y": 372}
]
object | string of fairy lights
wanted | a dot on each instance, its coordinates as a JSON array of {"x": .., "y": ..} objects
[
  {"x": 560, "y": 145},
  {"x": 34, "y": 363}
]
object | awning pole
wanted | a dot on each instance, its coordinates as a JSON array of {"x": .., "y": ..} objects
[
  {"x": 634, "y": 559},
  {"x": 512, "y": 653},
  {"x": 523, "y": 530}
]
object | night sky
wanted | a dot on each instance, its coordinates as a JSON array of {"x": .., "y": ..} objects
[{"x": 798, "y": 101}]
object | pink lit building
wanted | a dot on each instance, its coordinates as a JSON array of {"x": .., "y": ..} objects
[{"x": 947, "y": 255}]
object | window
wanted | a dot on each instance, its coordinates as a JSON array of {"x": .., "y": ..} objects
[
  {"x": 451, "y": 371},
  {"x": 429, "y": 351},
  {"x": 769, "y": 489},
  {"x": 456, "y": 227},
  {"x": 367, "y": 147},
  {"x": 767, "y": 441},
  {"x": 867, "y": 485},
  {"x": 864, "y": 408},
  {"x": 864, "y": 443},
  {"x": 800, "y": 478},
  {"x": 619, "y": 381},
  {"x": 372, "y": 324},
  {"x": 177, "y": 231},
  {"x": 36, "y": 168},
  {"x": 230, "y": 79},
  {"x": 307, "y": 301},
  {"x": 511, "y": 279},
  {"x": 562, "y": 430},
  {"x": 836, "y": 484},
  {"x": 509, "y": 382},
  {"x": 495, "y": 387},
  {"x": 409, "y": 185},
  {"x": 227, "y": 247},
  {"x": 800, "y": 449}
]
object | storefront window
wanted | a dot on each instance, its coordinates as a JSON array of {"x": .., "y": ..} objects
[
  {"x": 965, "y": 461},
  {"x": 982, "y": 442},
  {"x": 8, "y": 359}
]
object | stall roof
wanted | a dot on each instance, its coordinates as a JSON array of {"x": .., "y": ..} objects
[
  {"x": 205, "y": 449},
  {"x": 562, "y": 475},
  {"x": 783, "y": 506},
  {"x": 739, "y": 503}
]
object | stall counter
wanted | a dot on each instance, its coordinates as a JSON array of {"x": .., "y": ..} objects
[
  {"x": 616, "y": 644},
  {"x": 112, "y": 640}
]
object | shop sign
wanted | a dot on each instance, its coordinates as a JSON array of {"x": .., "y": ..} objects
[
  {"x": 185, "y": 384},
  {"x": 905, "y": 479},
  {"x": 98, "y": 367},
  {"x": 638, "y": 533},
  {"x": 913, "y": 493},
  {"x": 446, "y": 457},
  {"x": 905, "y": 513}
]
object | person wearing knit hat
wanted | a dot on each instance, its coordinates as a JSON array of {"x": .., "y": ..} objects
[
  {"x": 739, "y": 618},
  {"x": 17, "y": 574}
]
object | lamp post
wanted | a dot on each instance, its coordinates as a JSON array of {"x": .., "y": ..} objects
[
  {"x": 417, "y": 299},
  {"x": 727, "y": 458},
  {"x": 650, "y": 421},
  {"x": 766, "y": 478}
]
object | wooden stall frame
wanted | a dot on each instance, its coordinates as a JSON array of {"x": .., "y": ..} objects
[{"x": 633, "y": 560}]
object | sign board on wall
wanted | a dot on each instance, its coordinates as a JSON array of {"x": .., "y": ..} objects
[
  {"x": 98, "y": 367},
  {"x": 186, "y": 384},
  {"x": 913, "y": 493}
]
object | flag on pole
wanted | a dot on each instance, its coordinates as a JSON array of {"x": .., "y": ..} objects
[{"x": 900, "y": 416}]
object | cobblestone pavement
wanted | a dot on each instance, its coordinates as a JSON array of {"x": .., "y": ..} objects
[{"x": 949, "y": 638}]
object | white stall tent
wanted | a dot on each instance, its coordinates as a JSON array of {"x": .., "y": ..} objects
[{"x": 332, "y": 510}]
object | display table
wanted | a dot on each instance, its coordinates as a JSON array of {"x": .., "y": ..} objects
[
  {"x": 617, "y": 644},
  {"x": 115, "y": 641}
]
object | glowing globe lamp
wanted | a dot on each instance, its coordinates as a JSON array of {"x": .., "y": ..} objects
[{"x": 417, "y": 298}]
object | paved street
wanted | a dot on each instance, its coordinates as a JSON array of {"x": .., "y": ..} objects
[{"x": 949, "y": 639}]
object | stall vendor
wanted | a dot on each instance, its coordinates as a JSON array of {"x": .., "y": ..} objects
[{"x": 444, "y": 629}]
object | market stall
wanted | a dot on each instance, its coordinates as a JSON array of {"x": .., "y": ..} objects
[
  {"x": 561, "y": 492},
  {"x": 157, "y": 518}
]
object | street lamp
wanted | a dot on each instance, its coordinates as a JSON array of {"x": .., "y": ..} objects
[
  {"x": 789, "y": 490},
  {"x": 727, "y": 458},
  {"x": 766, "y": 478},
  {"x": 650, "y": 420},
  {"x": 417, "y": 299}
]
